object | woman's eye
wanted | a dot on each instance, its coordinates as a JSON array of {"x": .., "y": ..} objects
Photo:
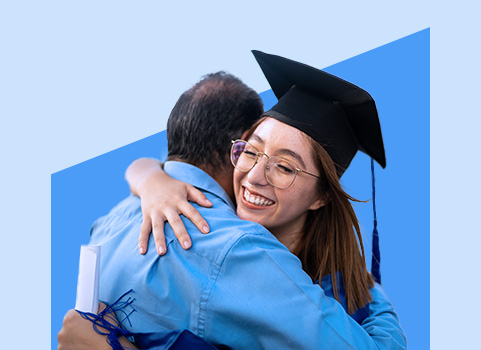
[
  {"x": 284, "y": 169},
  {"x": 250, "y": 153}
]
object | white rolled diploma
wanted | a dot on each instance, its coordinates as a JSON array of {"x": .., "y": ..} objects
[{"x": 88, "y": 279}]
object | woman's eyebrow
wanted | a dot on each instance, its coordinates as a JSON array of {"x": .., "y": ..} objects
[
  {"x": 256, "y": 138},
  {"x": 282, "y": 151},
  {"x": 288, "y": 152}
]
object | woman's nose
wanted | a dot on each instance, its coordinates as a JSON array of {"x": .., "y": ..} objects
[{"x": 256, "y": 175}]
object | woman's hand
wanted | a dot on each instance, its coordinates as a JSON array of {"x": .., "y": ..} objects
[
  {"x": 164, "y": 199},
  {"x": 77, "y": 333}
]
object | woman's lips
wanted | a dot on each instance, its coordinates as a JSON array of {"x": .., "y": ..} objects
[{"x": 255, "y": 199}]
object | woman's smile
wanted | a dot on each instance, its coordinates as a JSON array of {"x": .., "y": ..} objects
[{"x": 256, "y": 199}]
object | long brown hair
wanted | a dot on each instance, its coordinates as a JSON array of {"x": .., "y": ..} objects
[{"x": 331, "y": 240}]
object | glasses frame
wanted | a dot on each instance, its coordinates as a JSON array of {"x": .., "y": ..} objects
[{"x": 258, "y": 154}]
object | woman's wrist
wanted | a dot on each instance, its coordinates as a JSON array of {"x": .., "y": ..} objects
[
  {"x": 140, "y": 171},
  {"x": 150, "y": 181}
]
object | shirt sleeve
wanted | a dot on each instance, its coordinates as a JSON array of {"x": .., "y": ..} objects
[
  {"x": 382, "y": 324},
  {"x": 261, "y": 298}
]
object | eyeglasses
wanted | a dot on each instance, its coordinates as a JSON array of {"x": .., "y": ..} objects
[{"x": 278, "y": 171}]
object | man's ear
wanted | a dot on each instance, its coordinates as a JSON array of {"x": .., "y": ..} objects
[{"x": 320, "y": 202}]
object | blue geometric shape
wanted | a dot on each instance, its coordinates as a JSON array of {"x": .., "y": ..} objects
[
  {"x": 81, "y": 194},
  {"x": 397, "y": 76}
]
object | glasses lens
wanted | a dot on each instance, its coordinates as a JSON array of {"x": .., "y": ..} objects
[
  {"x": 243, "y": 155},
  {"x": 279, "y": 172}
]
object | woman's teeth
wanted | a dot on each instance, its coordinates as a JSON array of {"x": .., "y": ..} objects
[{"x": 257, "y": 200}]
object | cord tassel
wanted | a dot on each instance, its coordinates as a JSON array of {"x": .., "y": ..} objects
[
  {"x": 106, "y": 319},
  {"x": 376, "y": 253}
]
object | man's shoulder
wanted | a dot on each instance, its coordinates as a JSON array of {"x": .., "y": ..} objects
[
  {"x": 226, "y": 230},
  {"x": 223, "y": 220},
  {"x": 128, "y": 210}
]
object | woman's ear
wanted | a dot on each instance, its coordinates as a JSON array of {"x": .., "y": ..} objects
[{"x": 320, "y": 202}]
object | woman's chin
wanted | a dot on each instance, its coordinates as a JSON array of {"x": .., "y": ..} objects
[{"x": 253, "y": 213}]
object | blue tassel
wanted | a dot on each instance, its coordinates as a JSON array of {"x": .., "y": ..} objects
[
  {"x": 107, "y": 319},
  {"x": 376, "y": 253}
]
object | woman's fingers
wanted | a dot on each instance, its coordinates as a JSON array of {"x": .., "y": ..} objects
[
  {"x": 156, "y": 213},
  {"x": 193, "y": 215},
  {"x": 196, "y": 196},
  {"x": 145, "y": 230},
  {"x": 179, "y": 229},
  {"x": 155, "y": 224},
  {"x": 178, "y": 226},
  {"x": 159, "y": 235}
]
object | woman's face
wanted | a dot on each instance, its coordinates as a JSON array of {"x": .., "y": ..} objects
[{"x": 283, "y": 211}]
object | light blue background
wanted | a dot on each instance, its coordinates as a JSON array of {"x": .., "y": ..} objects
[
  {"x": 74, "y": 75},
  {"x": 397, "y": 76}
]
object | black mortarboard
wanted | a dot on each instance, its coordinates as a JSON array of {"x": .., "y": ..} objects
[{"x": 339, "y": 115}]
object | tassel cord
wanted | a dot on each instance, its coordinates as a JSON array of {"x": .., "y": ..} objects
[
  {"x": 106, "y": 323},
  {"x": 376, "y": 253}
]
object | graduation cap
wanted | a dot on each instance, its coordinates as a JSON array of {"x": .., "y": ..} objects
[{"x": 339, "y": 115}]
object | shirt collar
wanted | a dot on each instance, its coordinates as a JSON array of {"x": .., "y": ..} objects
[{"x": 197, "y": 178}]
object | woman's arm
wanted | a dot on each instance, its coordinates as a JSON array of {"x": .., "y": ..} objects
[{"x": 164, "y": 199}]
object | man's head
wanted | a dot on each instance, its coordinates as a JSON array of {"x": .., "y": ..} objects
[{"x": 205, "y": 119}]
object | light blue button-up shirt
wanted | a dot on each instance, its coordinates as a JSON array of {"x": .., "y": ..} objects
[{"x": 237, "y": 286}]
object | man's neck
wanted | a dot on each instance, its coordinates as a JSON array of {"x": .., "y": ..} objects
[
  {"x": 223, "y": 177},
  {"x": 226, "y": 183}
]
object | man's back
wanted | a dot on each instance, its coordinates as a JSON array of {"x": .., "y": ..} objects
[
  {"x": 236, "y": 286},
  {"x": 170, "y": 291}
]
